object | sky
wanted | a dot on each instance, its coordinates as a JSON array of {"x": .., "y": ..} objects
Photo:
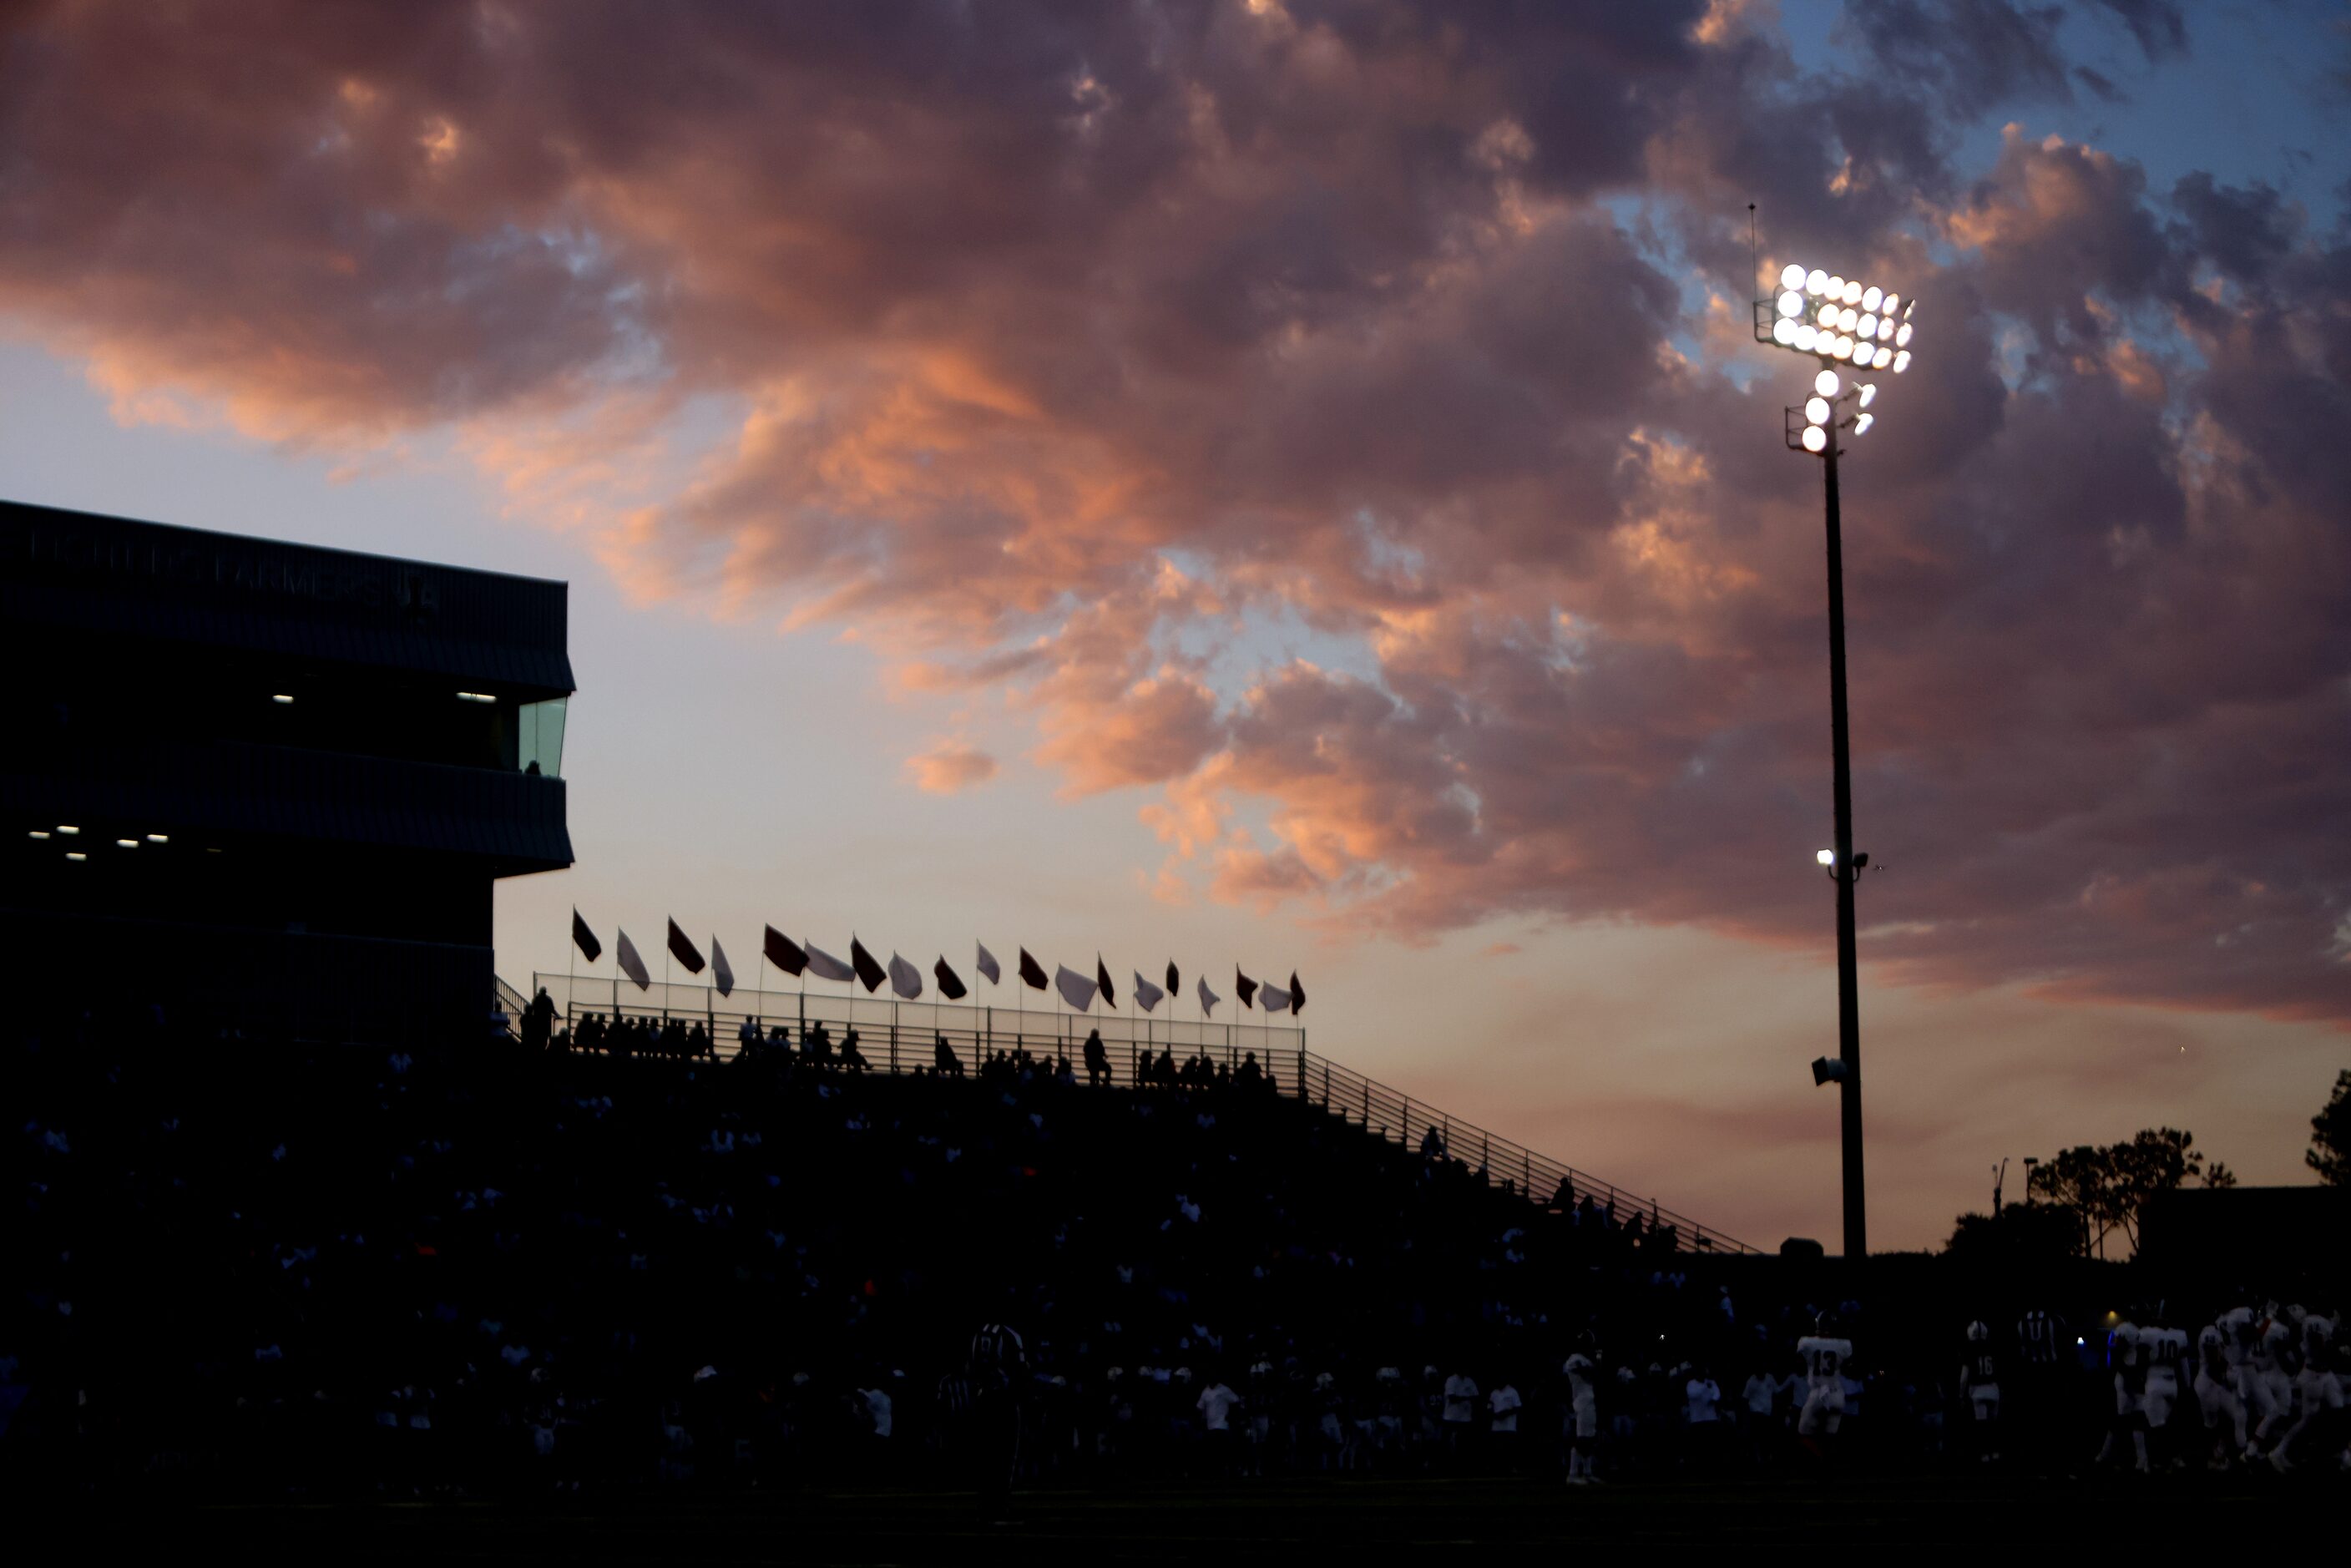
[{"x": 1294, "y": 484}]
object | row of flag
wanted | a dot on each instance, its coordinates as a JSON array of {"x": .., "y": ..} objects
[{"x": 907, "y": 981}]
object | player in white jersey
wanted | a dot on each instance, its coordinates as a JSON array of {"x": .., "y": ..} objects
[
  {"x": 2127, "y": 1357},
  {"x": 2216, "y": 1393},
  {"x": 2318, "y": 1403},
  {"x": 1979, "y": 1375},
  {"x": 2160, "y": 1396},
  {"x": 1584, "y": 1417},
  {"x": 2268, "y": 1382},
  {"x": 1824, "y": 1356}
]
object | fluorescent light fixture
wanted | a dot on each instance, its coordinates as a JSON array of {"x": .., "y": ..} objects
[
  {"x": 475, "y": 698},
  {"x": 127, "y": 843},
  {"x": 280, "y": 698},
  {"x": 159, "y": 838},
  {"x": 67, "y": 829},
  {"x": 76, "y": 855},
  {"x": 37, "y": 833},
  {"x": 1815, "y": 438}
]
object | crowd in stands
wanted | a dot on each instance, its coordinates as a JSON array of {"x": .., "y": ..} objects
[{"x": 616, "y": 1259}]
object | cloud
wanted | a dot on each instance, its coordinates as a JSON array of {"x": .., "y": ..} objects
[
  {"x": 951, "y": 767},
  {"x": 1062, "y": 356}
]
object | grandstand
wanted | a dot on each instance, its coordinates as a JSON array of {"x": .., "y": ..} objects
[{"x": 904, "y": 1036}]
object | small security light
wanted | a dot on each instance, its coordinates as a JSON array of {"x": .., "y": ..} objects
[
  {"x": 1826, "y": 857},
  {"x": 1861, "y": 426},
  {"x": 1868, "y": 392},
  {"x": 1827, "y": 1069},
  {"x": 1901, "y": 361}
]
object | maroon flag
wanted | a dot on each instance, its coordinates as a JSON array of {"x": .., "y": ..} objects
[
  {"x": 870, "y": 974},
  {"x": 784, "y": 953},
  {"x": 951, "y": 984},
  {"x": 1101, "y": 980},
  {"x": 683, "y": 950},
  {"x": 1296, "y": 994},
  {"x": 1033, "y": 973},
  {"x": 1245, "y": 987},
  {"x": 1175, "y": 980},
  {"x": 585, "y": 939}
]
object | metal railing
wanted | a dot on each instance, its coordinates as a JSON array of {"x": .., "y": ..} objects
[{"x": 904, "y": 1037}]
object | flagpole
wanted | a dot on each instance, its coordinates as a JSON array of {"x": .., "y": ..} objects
[{"x": 570, "y": 968}]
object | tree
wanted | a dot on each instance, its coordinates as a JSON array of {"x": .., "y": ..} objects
[
  {"x": 2024, "y": 1232},
  {"x": 2330, "y": 1136},
  {"x": 2107, "y": 1188}
]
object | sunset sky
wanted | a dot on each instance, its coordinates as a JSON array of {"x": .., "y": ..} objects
[{"x": 1294, "y": 482}]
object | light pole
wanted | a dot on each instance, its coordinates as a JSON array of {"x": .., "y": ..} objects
[{"x": 1839, "y": 321}]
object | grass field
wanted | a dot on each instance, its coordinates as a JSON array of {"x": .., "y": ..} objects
[{"x": 1366, "y": 1520}]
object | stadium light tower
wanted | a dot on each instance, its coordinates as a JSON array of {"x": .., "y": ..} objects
[{"x": 1863, "y": 328}]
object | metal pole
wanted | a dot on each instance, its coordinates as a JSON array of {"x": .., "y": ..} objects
[{"x": 1856, "y": 1224}]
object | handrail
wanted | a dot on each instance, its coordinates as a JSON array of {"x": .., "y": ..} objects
[{"x": 904, "y": 1038}]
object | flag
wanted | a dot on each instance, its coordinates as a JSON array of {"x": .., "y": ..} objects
[
  {"x": 870, "y": 974},
  {"x": 585, "y": 939},
  {"x": 1102, "y": 982},
  {"x": 683, "y": 950},
  {"x": 785, "y": 954},
  {"x": 985, "y": 963},
  {"x": 1275, "y": 999},
  {"x": 633, "y": 966},
  {"x": 825, "y": 967},
  {"x": 720, "y": 970},
  {"x": 1244, "y": 988},
  {"x": 1033, "y": 973},
  {"x": 1175, "y": 980},
  {"x": 1208, "y": 998},
  {"x": 1296, "y": 994},
  {"x": 1075, "y": 989},
  {"x": 951, "y": 984},
  {"x": 904, "y": 979},
  {"x": 1146, "y": 995}
]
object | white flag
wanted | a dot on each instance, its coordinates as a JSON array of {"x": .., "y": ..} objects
[
  {"x": 720, "y": 969},
  {"x": 1146, "y": 995},
  {"x": 1208, "y": 998},
  {"x": 825, "y": 967},
  {"x": 903, "y": 979},
  {"x": 1076, "y": 989},
  {"x": 1273, "y": 998},
  {"x": 987, "y": 965},
  {"x": 633, "y": 966}
]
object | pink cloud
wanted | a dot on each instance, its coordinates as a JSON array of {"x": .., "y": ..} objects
[
  {"x": 951, "y": 767},
  {"x": 1067, "y": 353}
]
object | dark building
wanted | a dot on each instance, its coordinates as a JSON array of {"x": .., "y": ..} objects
[
  {"x": 265, "y": 785},
  {"x": 2280, "y": 1240}
]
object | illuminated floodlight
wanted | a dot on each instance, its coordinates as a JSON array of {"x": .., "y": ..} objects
[
  {"x": 1852, "y": 291},
  {"x": 1868, "y": 392},
  {"x": 1828, "y": 317},
  {"x": 1816, "y": 282},
  {"x": 1816, "y": 410},
  {"x": 1861, "y": 426},
  {"x": 1884, "y": 327},
  {"x": 1806, "y": 336},
  {"x": 1902, "y": 336},
  {"x": 1792, "y": 278},
  {"x": 1836, "y": 288},
  {"x": 1826, "y": 383},
  {"x": 1846, "y": 321},
  {"x": 1885, "y": 358},
  {"x": 1783, "y": 332},
  {"x": 1891, "y": 301},
  {"x": 1901, "y": 361},
  {"x": 1791, "y": 304},
  {"x": 1845, "y": 348},
  {"x": 1815, "y": 438},
  {"x": 1866, "y": 327},
  {"x": 1826, "y": 857},
  {"x": 1870, "y": 297}
]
